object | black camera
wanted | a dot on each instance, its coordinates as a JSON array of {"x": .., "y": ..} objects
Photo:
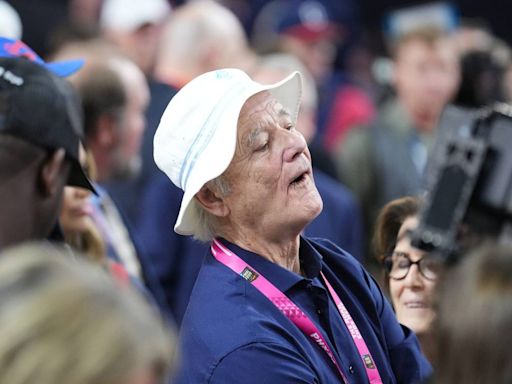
[{"x": 468, "y": 181}]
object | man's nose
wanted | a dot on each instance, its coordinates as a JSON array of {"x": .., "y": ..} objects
[{"x": 295, "y": 145}]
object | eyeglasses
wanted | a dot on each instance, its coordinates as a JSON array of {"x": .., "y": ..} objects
[{"x": 399, "y": 263}]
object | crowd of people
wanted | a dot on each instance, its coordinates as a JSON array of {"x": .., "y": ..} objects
[{"x": 187, "y": 198}]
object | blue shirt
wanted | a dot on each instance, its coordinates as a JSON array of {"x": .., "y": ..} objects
[{"x": 231, "y": 333}]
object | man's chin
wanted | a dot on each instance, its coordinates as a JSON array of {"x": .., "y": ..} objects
[
  {"x": 311, "y": 211},
  {"x": 315, "y": 205}
]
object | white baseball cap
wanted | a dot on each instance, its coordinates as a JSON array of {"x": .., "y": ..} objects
[
  {"x": 129, "y": 15},
  {"x": 196, "y": 138}
]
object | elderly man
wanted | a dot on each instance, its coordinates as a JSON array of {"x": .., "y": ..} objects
[{"x": 268, "y": 306}]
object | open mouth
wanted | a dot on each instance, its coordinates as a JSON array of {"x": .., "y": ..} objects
[
  {"x": 416, "y": 305},
  {"x": 301, "y": 174},
  {"x": 299, "y": 179}
]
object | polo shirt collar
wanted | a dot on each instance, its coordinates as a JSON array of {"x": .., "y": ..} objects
[{"x": 283, "y": 279}]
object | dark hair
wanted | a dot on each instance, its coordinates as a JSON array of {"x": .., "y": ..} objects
[
  {"x": 102, "y": 92},
  {"x": 473, "y": 331},
  {"x": 389, "y": 221}
]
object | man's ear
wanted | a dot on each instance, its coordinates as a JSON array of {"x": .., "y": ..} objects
[
  {"x": 212, "y": 202},
  {"x": 51, "y": 171}
]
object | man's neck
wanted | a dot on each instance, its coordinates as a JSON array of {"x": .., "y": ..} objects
[{"x": 283, "y": 252}]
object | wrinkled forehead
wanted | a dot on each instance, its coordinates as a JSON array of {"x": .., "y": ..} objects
[
  {"x": 259, "y": 109},
  {"x": 261, "y": 101}
]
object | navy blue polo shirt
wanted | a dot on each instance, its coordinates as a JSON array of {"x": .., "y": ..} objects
[{"x": 232, "y": 333}]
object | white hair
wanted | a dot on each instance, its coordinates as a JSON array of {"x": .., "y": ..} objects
[
  {"x": 194, "y": 32},
  {"x": 207, "y": 223}
]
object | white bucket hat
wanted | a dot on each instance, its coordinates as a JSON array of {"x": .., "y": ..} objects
[{"x": 196, "y": 138}]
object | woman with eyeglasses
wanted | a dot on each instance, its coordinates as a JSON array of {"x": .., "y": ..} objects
[{"x": 411, "y": 274}]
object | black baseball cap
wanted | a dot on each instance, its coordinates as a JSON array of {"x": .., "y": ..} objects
[{"x": 38, "y": 106}]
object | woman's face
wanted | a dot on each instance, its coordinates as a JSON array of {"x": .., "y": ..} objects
[
  {"x": 411, "y": 296},
  {"x": 76, "y": 209}
]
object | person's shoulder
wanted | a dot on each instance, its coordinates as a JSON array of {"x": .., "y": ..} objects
[
  {"x": 223, "y": 311},
  {"x": 338, "y": 260},
  {"x": 227, "y": 318}
]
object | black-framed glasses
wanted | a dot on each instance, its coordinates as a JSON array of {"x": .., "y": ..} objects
[{"x": 398, "y": 266}]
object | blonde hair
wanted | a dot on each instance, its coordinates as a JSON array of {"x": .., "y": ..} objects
[
  {"x": 89, "y": 242},
  {"x": 64, "y": 320}
]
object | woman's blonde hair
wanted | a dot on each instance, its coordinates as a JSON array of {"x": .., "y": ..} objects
[
  {"x": 64, "y": 320},
  {"x": 90, "y": 242}
]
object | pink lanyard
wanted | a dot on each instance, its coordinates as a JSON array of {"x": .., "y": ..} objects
[{"x": 295, "y": 314}]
